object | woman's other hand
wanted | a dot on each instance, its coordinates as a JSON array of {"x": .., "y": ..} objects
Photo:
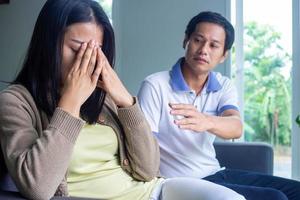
[{"x": 111, "y": 83}]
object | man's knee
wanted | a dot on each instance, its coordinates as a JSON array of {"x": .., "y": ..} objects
[
  {"x": 236, "y": 197},
  {"x": 274, "y": 194},
  {"x": 195, "y": 189}
]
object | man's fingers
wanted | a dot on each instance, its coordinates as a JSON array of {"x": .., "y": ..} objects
[
  {"x": 191, "y": 127},
  {"x": 183, "y": 112},
  {"x": 185, "y": 121},
  {"x": 182, "y": 106}
]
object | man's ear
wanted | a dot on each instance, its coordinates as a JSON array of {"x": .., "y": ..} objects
[
  {"x": 224, "y": 56},
  {"x": 184, "y": 42}
]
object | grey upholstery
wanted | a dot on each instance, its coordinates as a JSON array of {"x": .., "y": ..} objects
[
  {"x": 6, "y": 183},
  {"x": 256, "y": 157},
  {"x": 252, "y": 156}
]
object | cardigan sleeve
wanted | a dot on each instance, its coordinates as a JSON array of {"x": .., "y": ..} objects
[
  {"x": 37, "y": 161},
  {"x": 142, "y": 147}
]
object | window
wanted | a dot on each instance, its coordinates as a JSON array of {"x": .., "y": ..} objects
[
  {"x": 262, "y": 64},
  {"x": 107, "y": 6}
]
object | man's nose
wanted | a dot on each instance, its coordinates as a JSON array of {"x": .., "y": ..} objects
[{"x": 203, "y": 48}]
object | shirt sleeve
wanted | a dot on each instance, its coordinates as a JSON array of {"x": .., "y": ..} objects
[
  {"x": 229, "y": 98},
  {"x": 150, "y": 102}
]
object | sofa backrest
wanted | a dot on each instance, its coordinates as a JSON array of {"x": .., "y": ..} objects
[{"x": 250, "y": 156}]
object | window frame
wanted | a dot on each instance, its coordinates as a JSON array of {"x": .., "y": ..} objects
[
  {"x": 295, "y": 91},
  {"x": 295, "y": 134}
]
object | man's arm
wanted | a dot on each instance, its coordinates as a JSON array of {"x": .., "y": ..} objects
[{"x": 226, "y": 126}]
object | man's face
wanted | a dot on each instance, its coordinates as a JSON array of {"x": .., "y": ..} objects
[{"x": 205, "y": 47}]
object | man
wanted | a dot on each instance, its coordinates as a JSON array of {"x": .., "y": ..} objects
[{"x": 190, "y": 105}]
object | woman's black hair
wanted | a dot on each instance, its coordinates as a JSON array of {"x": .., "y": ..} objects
[
  {"x": 42, "y": 69},
  {"x": 216, "y": 18}
]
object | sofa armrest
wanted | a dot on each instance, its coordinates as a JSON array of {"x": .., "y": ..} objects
[{"x": 254, "y": 156}]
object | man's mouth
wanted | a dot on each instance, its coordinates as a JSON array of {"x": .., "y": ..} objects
[{"x": 200, "y": 60}]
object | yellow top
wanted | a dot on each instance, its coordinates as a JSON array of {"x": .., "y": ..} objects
[{"x": 95, "y": 172}]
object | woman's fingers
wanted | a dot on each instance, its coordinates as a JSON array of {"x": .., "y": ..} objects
[
  {"x": 100, "y": 84},
  {"x": 104, "y": 60},
  {"x": 86, "y": 57},
  {"x": 92, "y": 63},
  {"x": 79, "y": 56},
  {"x": 97, "y": 69}
]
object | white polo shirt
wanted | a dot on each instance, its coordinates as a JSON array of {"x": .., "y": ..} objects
[{"x": 185, "y": 153}]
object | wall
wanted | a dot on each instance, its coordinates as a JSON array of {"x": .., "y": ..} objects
[
  {"x": 16, "y": 24},
  {"x": 149, "y": 34}
]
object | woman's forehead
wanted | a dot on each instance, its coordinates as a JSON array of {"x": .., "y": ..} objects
[{"x": 84, "y": 32}]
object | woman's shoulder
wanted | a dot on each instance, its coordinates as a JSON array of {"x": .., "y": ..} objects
[
  {"x": 15, "y": 90},
  {"x": 15, "y": 94}
]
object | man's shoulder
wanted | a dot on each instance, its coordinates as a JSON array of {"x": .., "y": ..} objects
[
  {"x": 220, "y": 76},
  {"x": 158, "y": 77},
  {"x": 224, "y": 81}
]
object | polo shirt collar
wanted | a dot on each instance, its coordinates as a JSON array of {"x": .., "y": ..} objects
[
  {"x": 179, "y": 84},
  {"x": 213, "y": 85},
  {"x": 177, "y": 81}
]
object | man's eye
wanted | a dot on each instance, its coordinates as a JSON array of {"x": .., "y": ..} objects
[
  {"x": 196, "y": 40},
  {"x": 214, "y": 46}
]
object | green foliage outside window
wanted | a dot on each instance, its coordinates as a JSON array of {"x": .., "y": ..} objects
[
  {"x": 107, "y": 7},
  {"x": 267, "y": 90},
  {"x": 298, "y": 120}
]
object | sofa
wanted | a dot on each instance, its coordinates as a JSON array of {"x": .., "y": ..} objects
[
  {"x": 251, "y": 156},
  {"x": 254, "y": 156}
]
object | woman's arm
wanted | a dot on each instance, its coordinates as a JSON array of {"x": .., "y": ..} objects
[
  {"x": 37, "y": 160},
  {"x": 142, "y": 147}
]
